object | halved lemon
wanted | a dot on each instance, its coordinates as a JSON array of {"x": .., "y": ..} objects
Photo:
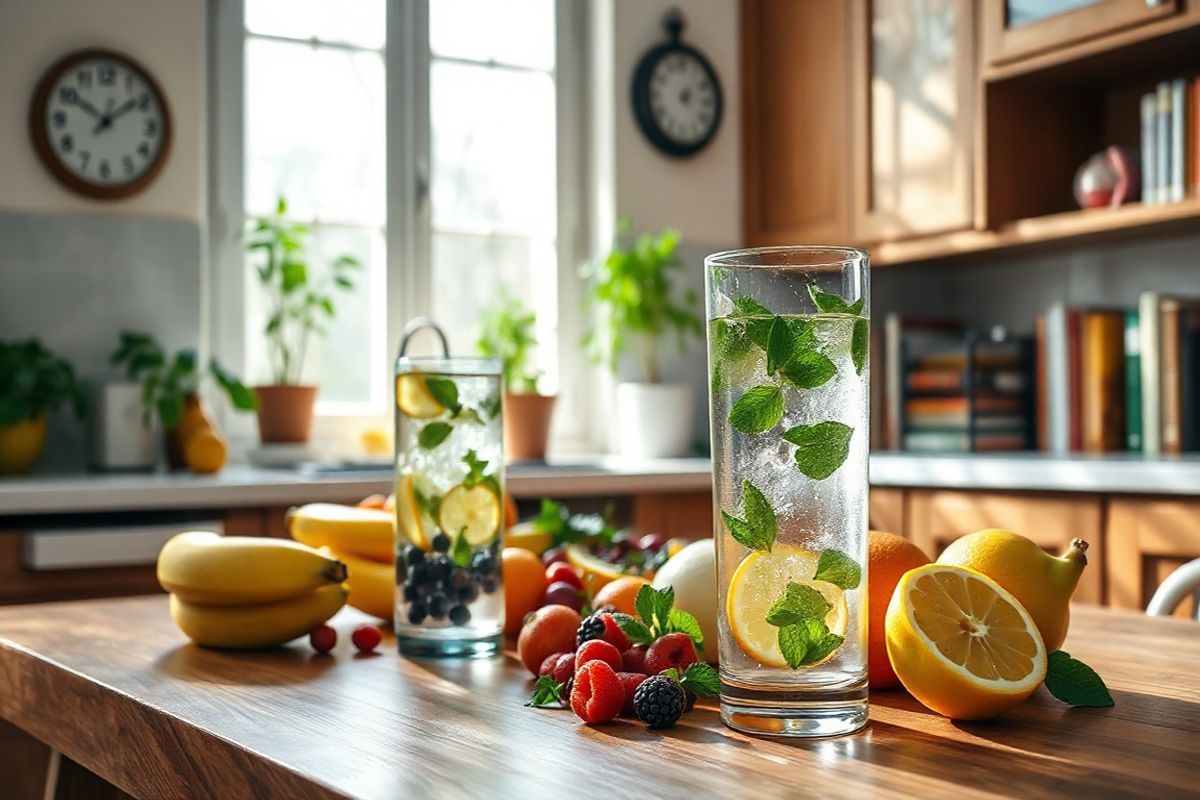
[
  {"x": 414, "y": 399},
  {"x": 408, "y": 513},
  {"x": 961, "y": 644},
  {"x": 595, "y": 571},
  {"x": 475, "y": 511},
  {"x": 527, "y": 536},
  {"x": 760, "y": 580}
]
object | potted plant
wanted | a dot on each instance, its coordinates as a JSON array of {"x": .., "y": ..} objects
[
  {"x": 506, "y": 333},
  {"x": 632, "y": 288},
  {"x": 170, "y": 391},
  {"x": 298, "y": 301},
  {"x": 33, "y": 381}
]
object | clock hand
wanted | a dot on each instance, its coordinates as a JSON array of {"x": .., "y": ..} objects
[
  {"x": 86, "y": 106},
  {"x": 107, "y": 120}
]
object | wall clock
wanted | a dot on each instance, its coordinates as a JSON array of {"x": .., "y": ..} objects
[
  {"x": 676, "y": 95},
  {"x": 101, "y": 124}
]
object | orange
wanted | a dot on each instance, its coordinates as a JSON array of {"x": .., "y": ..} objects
[
  {"x": 620, "y": 594},
  {"x": 889, "y": 557},
  {"x": 550, "y": 630},
  {"x": 524, "y": 586}
]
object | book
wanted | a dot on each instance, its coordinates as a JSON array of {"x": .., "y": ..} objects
[
  {"x": 1193, "y": 148},
  {"x": 955, "y": 442},
  {"x": 1074, "y": 384},
  {"x": 1149, "y": 113},
  {"x": 1133, "y": 383},
  {"x": 1058, "y": 380},
  {"x": 1189, "y": 388},
  {"x": 1148, "y": 332},
  {"x": 1102, "y": 380},
  {"x": 1176, "y": 354},
  {"x": 952, "y": 380},
  {"x": 1039, "y": 379},
  {"x": 1178, "y": 177},
  {"x": 961, "y": 405},
  {"x": 1162, "y": 145}
]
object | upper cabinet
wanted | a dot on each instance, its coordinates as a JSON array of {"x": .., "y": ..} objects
[{"x": 1013, "y": 29}]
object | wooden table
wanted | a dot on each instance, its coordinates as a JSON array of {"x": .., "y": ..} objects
[{"x": 114, "y": 687}]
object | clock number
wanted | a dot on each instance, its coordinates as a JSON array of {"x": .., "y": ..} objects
[
  {"x": 67, "y": 95},
  {"x": 59, "y": 118},
  {"x": 66, "y": 143},
  {"x": 107, "y": 74},
  {"x": 144, "y": 150},
  {"x": 144, "y": 102},
  {"x": 105, "y": 171},
  {"x": 127, "y": 165},
  {"x": 151, "y": 127},
  {"x": 84, "y": 78},
  {"x": 84, "y": 157}
]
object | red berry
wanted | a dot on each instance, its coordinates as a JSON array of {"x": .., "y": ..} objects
[
  {"x": 322, "y": 638},
  {"x": 634, "y": 659},
  {"x": 630, "y": 680},
  {"x": 597, "y": 694},
  {"x": 613, "y": 633},
  {"x": 564, "y": 668},
  {"x": 599, "y": 649},
  {"x": 366, "y": 638},
  {"x": 560, "y": 571},
  {"x": 555, "y": 556},
  {"x": 652, "y": 542},
  {"x": 548, "y": 664},
  {"x": 672, "y": 650},
  {"x": 563, "y": 594}
]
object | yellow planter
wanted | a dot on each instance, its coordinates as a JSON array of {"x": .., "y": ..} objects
[{"x": 21, "y": 444}]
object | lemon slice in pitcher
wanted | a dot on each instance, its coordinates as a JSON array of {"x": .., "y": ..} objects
[
  {"x": 414, "y": 399},
  {"x": 474, "y": 511}
]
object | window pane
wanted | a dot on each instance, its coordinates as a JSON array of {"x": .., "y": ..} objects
[
  {"x": 519, "y": 32},
  {"x": 356, "y": 22},
  {"x": 468, "y": 272},
  {"x": 350, "y": 362},
  {"x": 315, "y": 131},
  {"x": 493, "y": 138}
]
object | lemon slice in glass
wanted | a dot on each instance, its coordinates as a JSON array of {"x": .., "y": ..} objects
[
  {"x": 408, "y": 513},
  {"x": 414, "y": 399},
  {"x": 760, "y": 580},
  {"x": 474, "y": 511}
]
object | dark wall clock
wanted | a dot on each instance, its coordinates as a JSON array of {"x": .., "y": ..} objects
[
  {"x": 101, "y": 124},
  {"x": 676, "y": 95}
]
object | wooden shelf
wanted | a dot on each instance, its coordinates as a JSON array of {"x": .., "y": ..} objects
[{"x": 1126, "y": 221}]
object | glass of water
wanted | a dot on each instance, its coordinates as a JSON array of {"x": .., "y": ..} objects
[
  {"x": 449, "y": 506},
  {"x": 788, "y": 339}
]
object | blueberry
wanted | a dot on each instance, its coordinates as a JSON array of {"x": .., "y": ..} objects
[
  {"x": 416, "y": 614},
  {"x": 460, "y": 615},
  {"x": 438, "y": 605},
  {"x": 410, "y": 592},
  {"x": 460, "y": 578},
  {"x": 489, "y": 584},
  {"x": 483, "y": 564},
  {"x": 418, "y": 574},
  {"x": 414, "y": 555},
  {"x": 441, "y": 542},
  {"x": 468, "y": 594},
  {"x": 439, "y": 568}
]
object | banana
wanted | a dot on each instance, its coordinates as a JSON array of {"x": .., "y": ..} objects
[
  {"x": 372, "y": 585},
  {"x": 366, "y": 532},
  {"x": 264, "y": 625},
  {"x": 208, "y": 569}
]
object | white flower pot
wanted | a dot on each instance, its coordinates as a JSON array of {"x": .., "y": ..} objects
[{"x": 654, "y": 420}]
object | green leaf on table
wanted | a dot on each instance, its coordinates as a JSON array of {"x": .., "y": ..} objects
[
  {"x": 634, "y": 628},
  {"x": 793, "y": 643},
  {"x": 680, "y": 621},
  {"x": 799, "y": 602},
  {"x": 654, "y": 607},
  {"x": 808, "y": 369},
  {"x": 701, "y": 680},
  {"x": 434, "y": 434},
  {"x": 820, "y": 448},
  {"x": 1074, "y": 682},
  {"x": 461, "y": 551},
  {"x": 860, "y": 343},
  {"x": 546, "y": 692},
  {"x": 839, "y": 569},
  {"x": 758, "y": 410},
  {"x": 445, "y": 391}
]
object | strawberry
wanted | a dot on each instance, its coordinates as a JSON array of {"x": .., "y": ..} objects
[
  {"x": 634, "y": 659},
  {"x": 672, "y": 650},
  {"x": 613, "y": 633},
  {"x": 630, "y": 680},
  {"x": 597, "y": 694},
  {"x": 601, "y": 650}
]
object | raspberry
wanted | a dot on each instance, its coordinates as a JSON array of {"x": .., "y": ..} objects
[
  {"x": 564, "y": 668},
  {"x": 672, "y": 650},
  {"x": 548, "y": 664},
  {"x": 659, "y": 702},
  {"x": 366, "y": 638},
  {"x": 592, "y": 627},
  {"x": 599, "y": 649},
  {"x": 631, "y": 681},
  {"x": 634, "y": 659},
  {"x": 597, "y": 694}
]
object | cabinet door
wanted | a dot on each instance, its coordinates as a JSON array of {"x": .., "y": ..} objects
[
  {"x": 686, "y": 514},
  {"x": 1013, "y": 29},
  {"x": 795, "y": 121},
  {"x": 885, "y": 509},
  {"x": 1147, "y": 539},
  {"x": 914, "y": 70},
  {"x": 936, "y": 518}
]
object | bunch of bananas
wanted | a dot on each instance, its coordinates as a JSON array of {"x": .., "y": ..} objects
[
  {"x": 248, "y": 591},
  {"x": 364, "y": 539}
]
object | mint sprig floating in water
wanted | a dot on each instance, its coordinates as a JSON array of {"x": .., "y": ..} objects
[
  {"x": 758, "y": 410},
  {"x": 445, "y": 391},
  {"x": 860, "y": 337},
  {"x": 758, "y": 528},
  {"x": 1074, "y": 682},
  {"x": 820, "y": 448},
  {"x": 839, "y": 569},
  {"x": 807, "y": 642},
  {"x": 434, "y": 434}
]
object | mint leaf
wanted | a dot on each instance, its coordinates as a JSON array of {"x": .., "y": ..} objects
[
  {"x": 799, "y": 603},
  {"x": 476, "y": 475},
  {"x": 857, "y": 308},
  {"x": 680, "y": 621},
  {"x": 546, "y": 692},
  {"x": 1074, "y": 682},
  {"x": 654, "y": 607},
  {"x": 428, "y": 503},
  {"x": 820, "y": 642},
  {"x": 758, "y": 327},
  {"x": 759, "y": 514},
  {"x": 670, "y": 672},
  {"x": 701, "y": 680},
  {"x": 445, "y": 392},
  {"x": 839, "y": 569},
  {"x": 779, "y": 345},
  {"x": 461, "y": 552},
  {"x": 860, "y": 343},
  {"x": 758, "y": 410},
  {"x": 793, "y": 643},
  {"x": 808, "y": 369},
  {"x": 744, "y": 533},
  {"x": 632, "y": 627},
  {"x": 826, "y": 302},
  {"x": 820, "y": 448},
  {"x": 491, "y": 405},
  {"x": 433, "y": 434}
]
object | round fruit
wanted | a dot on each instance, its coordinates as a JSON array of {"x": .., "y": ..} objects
[
  {"x": 652, "y": 542},
  {"x": 510, "y": 513},
  {"x": 597, "y": 694},
  {"x": 565, "y": 573},
  {"x": 659, "y": 702},
  {"x": 527, "y": 535},
  {"x": 204, "y": 452},
  {"x": 621, "y": 594},
  {"x": 1042, "y": 583},
  {"x": 634, "y": 659},
  {"x": 548, "y": 664},
  {"x": 693, "y": 573},
  {"x": 889, "y": 557},
  {"x": 613, "y": 633},
  {"x": 671, "y": 651},
  {"x": 962, "y": 662},
  {"x": 747, "y": 603},
  {"x": 591, "y": 628},
  {"x": 564, "y": 668},
  {"x": 414, "y": 399},
  {"x": 563, "y": 594},
  {"x": 599, "y": 649},
  {"x": 554, "y": 556},
  {"x": 474, "y": 511},
  {"x": 631, "y": 681},
  {"x": 524, "y": 586},
  {"x": 373, "y": 501},
  {"x": 674, "y": 546},
  {"x": 366, "y": 638},
  {"x": 322, "y": 638},
  {"x": 408, "y": 513},
  {"x": 595, "y": 571},
  {"x": 549, "y": 630}
]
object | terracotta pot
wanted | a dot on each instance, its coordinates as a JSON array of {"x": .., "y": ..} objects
[
  {"x": 21, "y": 443},
  {"x": 285, "y": 412},
  {"x": 527, "y": 425}
]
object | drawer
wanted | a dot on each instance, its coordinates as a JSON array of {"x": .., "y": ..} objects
[
  {"x": 936, "y": 518},
  {"x": 1146, "y": 539}
]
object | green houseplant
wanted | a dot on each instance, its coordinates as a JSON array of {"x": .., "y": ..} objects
[
  {"x": 33, "y": 382},
  {"x": 507, "y": 333},
  {"x": 632, "y": 288},
  {"x": 298, "y": 304}
]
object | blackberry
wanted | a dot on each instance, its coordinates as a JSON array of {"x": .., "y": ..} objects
[
  {"x": 591, "y": 628},
  {"x": 460, "y": 615},
  {"x": 659, "y": 702},
  {"x": 441, "y": 542}
]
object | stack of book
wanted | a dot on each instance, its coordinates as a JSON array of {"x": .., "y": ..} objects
[
  {"x": 1113, "y": 379},
  {"x": 1170, "y": 149}
]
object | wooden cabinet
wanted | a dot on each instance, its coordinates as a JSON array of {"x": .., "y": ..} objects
[
  {"x": 1013, "y": 29},
  {"x": 1147, "y": 538},
  {"x": 914, "y": 84},
  {"x": 885, "y": 510},
  {"x": 686, "y": 514}
]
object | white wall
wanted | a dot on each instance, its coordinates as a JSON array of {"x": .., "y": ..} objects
[{"x": 165, "y": 36}]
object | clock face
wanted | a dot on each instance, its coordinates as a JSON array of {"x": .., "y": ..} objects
[
  {"x": 677, "y": 99},
  {"x": 101, "y": 124}
]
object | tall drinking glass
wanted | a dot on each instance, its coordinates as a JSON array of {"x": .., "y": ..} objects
[
  {"x": 449, "y": 485},
  {"x": 788, "y": 337}
]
